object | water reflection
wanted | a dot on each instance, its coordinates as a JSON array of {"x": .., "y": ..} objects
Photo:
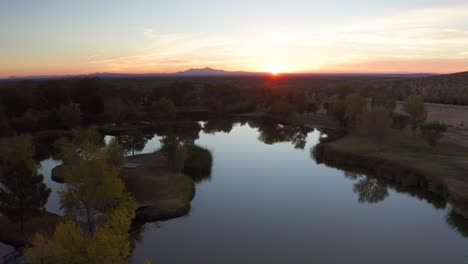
[
  {"x": 257, "y": 184},
  {"x": 374, "y": 189}
]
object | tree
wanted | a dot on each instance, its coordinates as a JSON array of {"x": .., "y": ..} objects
[
  {"x": 282, "y": 109},
  {"x": 93, "y": 186},
  {"x": 115, "y": 153},
  {"x": 70, "y": 115},
  {"x": 22, "y": 190},
  {"x": 375, "y": 122},
  {"x": 354, "y": 104},
  {"x": 370, "y": 190},
  {"x": 29, "y": 120},
  {"x": 4, "y": 123},
  {"x": 164, "y": 108},
  {"x": 336, "y": 110},
  {"x": 71, "y": 244},
  {"x": 86, "y": 94},
  {"x": 432, "y": 132},
  {"x": 133, "y": 141},
  {"x": 116, "y": 110},
  {"x": 414, "y": 107}
]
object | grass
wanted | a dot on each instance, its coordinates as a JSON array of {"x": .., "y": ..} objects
[
  {"x": 161, "y": 193},
  {"x": 446, "y": 164}
]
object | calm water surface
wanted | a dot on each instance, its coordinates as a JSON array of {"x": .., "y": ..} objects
[{"x": 274, "y": 204}]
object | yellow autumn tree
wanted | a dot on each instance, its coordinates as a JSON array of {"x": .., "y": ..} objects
[{"x": 98, "y": 208}]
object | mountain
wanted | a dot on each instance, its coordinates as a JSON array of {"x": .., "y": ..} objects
[{"x": 210, "y": 72}]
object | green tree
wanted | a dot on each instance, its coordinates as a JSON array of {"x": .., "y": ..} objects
[
  {"x": 93, "y": 186},
  {"x": 432, "y": 132},
  {"x": 70, "y": 115},
  {"x": 116, "y": 110},
  {"x": 164, "y": 108},
  {"x": 115, "y": 153},
  {"x": 23, "y": 193},
  {"x": 29, "y": 120},
  {"x": 415, "y": 108},
  {"x": 376, "y": 122},
  {"x": 354, "y": 104},
  {"x": 133, "y": 141},
  {"x": 336, "y": 110}
]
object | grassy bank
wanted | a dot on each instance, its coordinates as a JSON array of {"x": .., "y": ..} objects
[
  {"x": 406, "y": 158},
  {"x": 161, "y": 193}
]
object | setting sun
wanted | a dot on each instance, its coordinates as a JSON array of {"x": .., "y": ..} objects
[{"x": 274, "y": 69}]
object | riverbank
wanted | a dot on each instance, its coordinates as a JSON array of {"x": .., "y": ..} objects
[
  {"x": 11, "y": 234},
  {"x": 160, "y": 193},
  {"x": 404, "y": 158}
]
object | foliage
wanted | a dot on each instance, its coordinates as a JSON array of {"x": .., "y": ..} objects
[
  {"x": 70, "y": 115},
  {"x": 336, "y": 110},
  {"x": 22, "y": 190},
  {"x": 115, "y": 153},
  {"x": 71, "y": 244},
  {"x": 134, "y": 140},
  {"x": 29, "y": 120},
  {"x": 116, "y": 110},
  {"x": 432, "y": 132},
  {"x": 198, "y": 162},
  {"x": 84, "y": 145},
  {"x": 400, "y": 121},
  {"x": 282, "y": 109},
  {"x": 354, "y": 104},
  {"x": 164, "y": 108},
  {"x": 375, "y": 122},
  {"x": 414, "y": 107}
]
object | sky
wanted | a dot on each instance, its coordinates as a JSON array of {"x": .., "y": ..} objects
[{"x": 149, "y": 36}]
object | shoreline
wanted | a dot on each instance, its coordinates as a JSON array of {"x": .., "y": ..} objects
[{"x": 425, "y": 170}]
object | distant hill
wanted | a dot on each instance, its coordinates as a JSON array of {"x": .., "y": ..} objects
[
  {"x": 448, "y": 88},
  {"x": 191, "y": 72},
  {"x": 210, "y": 72}
]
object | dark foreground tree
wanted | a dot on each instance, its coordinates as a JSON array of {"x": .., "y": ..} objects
[{"x": 22, "y": 190}]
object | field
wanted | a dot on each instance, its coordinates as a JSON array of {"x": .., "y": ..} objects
[{"x": 455, "y": 116}]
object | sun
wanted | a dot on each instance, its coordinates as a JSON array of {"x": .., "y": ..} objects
[{"x": 275, "y": 69}]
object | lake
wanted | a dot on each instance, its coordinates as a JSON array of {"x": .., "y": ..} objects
[{"x": 268, "y": 201}]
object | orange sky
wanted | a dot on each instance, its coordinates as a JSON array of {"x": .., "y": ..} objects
[{"x": 302, "y": 36}]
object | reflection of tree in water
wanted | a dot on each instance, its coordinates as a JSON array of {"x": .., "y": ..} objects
[
  {"x": 458, "y": 222},
  {"x": 218, "y": 125},
  {"x": 370, "y": 190},
  {"x": 272, "y": 132},
  {"x": 183, "y": 155},
  {"x": 374, "y": 189},
  {"x": 134, "y": 140}
]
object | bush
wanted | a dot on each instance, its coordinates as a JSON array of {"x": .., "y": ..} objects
[
  {"x": 432, "y": 132},
  {"x": 198, "y": 162},
  {"x": 400, "y": 121}
]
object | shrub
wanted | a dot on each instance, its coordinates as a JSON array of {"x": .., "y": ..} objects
[
  {"x": 432, "y": 131},
  {"x": 198, "y": 162}
]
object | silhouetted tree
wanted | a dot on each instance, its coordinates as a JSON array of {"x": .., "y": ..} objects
[
  {"x": 70, "y": 115},
  {"x": 22, "y": 190}
]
